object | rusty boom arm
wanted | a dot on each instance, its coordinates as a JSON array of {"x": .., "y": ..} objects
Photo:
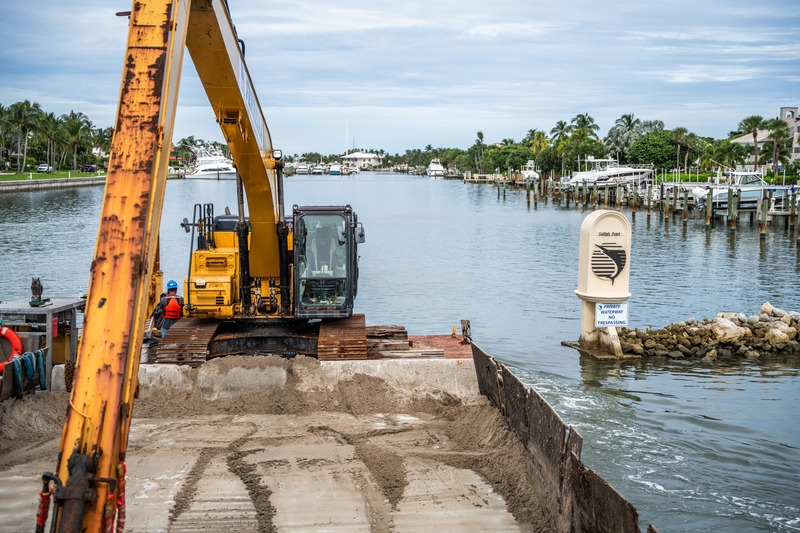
[{"x": 95, "y": 436}]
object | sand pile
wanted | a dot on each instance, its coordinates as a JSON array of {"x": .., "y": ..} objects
[{"x": 399, "y": 444}]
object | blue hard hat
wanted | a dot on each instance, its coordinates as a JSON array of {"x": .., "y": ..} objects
[{"x": 171, "y": 284}]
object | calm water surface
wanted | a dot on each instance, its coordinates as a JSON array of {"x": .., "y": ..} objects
[{"x": 696, "y": 447}]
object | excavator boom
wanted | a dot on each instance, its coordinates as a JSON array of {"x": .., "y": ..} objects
[{"x": 95, "y": 436}]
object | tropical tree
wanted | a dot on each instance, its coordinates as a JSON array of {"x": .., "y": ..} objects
[
  {"x": 752, "y": 124},
  {"x": 622, "y": 135},
  {"x": 583, "y": 122},
  {"x": 78, "y": 130},
  {"x": 5, "y": 131},
  {"x": 656, "y": 149},
  {"x": 49, "y": 126},
  {"x": 560, "y": 133},
  {"x": 780, "y": 138},
  {"x": 677, "y": 136},
  {"x": 646, "y": 127},
  {"x": 690, "y": 142},
  {"x": 537, "y": 140},
  {"x": 23, "y": 116},
  {"x": 478, "y": 150},
  {"x": 723, "y": 153},
  {"x": 101, "y": 138}
]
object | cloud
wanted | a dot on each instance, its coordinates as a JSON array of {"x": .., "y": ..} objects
[
  {"x": 407, "y": 74},
  {"x": 511, "y": 31}
]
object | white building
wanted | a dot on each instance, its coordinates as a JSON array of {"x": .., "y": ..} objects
[{"x": 362, "y": 160}]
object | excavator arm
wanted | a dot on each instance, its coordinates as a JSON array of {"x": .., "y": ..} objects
[{"x": 95, "y": 436}]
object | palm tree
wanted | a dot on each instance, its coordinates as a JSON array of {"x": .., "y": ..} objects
[
  {"x": 689, "y": 141},
  {"x": 49, "y": 125},
  {"x": 723, "y": 153},
  {"x": 583, "y": 122},
  {"x": 101, "y": 139},
  {"x": 5, "y": 129},
  {"x": 677, "y": 136},
  {"x": 752, "y": 124},
  {"x": 478, "y": 150},
  {"x": 559, "y": 133},
  {"x": 538, "y": 140},
  {"x": 23, "y": 117},
  {"x": 622, "y": 135},
  {"x": 78, "y": 128},
  {"x": 627, "y": 122},
  {"x": 781, "y": 136},
  {"x": 646, "y": 127}
]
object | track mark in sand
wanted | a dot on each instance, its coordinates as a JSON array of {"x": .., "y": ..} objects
[
  {"x": 383, "y": 464},
  {"x": 386, "y": 467},
  {"x": 186, "y": 494},
  {"x": 259, "y": 493}
]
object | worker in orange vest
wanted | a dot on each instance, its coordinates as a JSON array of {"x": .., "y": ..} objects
[{"x": 172, "y": 306}]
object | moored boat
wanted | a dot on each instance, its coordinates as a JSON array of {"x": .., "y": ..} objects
[
  {"x": 747, "y": 186},
  {"x": 609, "y": 171},
  {"x": 211, "y": 163},
  {"x": 435, "y": 169}
]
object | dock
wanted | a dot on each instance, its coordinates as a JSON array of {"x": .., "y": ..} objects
[{"x": 667, "y": 199}]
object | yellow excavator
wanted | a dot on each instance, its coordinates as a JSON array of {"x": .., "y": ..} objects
[{"x": 262, "y": 282}]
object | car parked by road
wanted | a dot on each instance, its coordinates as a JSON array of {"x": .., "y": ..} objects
[
  {"x": 44, "y": 167},
  {"x": 89, "y": 168}
]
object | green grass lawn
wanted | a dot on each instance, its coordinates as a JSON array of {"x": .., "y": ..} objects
[{"x": 45, "y": 176}]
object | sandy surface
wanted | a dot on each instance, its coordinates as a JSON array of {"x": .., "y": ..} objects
[{"x": 361, "y": 456}]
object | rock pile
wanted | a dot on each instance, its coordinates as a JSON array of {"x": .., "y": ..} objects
[{"x": 729, "y": 335}]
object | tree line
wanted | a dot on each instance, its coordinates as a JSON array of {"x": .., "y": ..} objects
[
  {"x": 630, "y": 141},
  {"x": 32, "y": 134},
  {"x": 29, "y": 134}
]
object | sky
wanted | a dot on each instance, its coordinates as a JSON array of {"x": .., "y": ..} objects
[{"x": 394, "y": 75}]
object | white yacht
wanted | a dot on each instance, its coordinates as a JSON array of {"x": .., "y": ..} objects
[
  {"x": 748, "y": 186},
  {"x": 609, "y": 171},
  {"x": 302, "y": 168},
  {"x": 530, "y": 171},
  {"x": 211, "y": 163},
  {"x": 435, "y": 169},
  {"x": 335, "y": 169}
]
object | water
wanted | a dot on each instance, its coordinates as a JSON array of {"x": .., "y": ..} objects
[{"x": 695, "y": 446}]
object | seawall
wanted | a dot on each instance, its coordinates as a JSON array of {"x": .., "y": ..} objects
[{"x": 46, "y": 184}]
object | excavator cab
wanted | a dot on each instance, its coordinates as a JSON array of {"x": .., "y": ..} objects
[{"x": 325, "y": 261}]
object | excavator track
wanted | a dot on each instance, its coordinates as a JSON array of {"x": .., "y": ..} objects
[
  {"x": 186, "y": 342},
  {"x": 343, "y": 339}
]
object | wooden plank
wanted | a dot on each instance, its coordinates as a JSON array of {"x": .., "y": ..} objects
[
  {"x": 343, "y": 339},
  {"x": 413, "y": 354}
]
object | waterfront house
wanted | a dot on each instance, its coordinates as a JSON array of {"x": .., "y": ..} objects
[{"x": 362, "y": 160}]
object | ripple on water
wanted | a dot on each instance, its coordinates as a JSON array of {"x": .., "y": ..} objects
[{"x": 438, "y": 251}]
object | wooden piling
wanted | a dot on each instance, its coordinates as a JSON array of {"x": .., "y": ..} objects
[
  {"x": 649, "y": 199},
  {"x": 709, "y": 206},
  {"x": 685, "y": 206},
  {"x": 764, "y": 211},
  {"x": 733, "y": 203},
  {"x": 792, "y": 199},
  {"x": 675, "y": 192},
  {"x": 619, "y": 197}
]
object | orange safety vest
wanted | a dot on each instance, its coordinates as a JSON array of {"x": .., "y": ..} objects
[{"x": 173, "y": 309}]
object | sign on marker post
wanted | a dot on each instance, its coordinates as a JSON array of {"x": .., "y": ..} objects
[{"x": 611, "y": 315}]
